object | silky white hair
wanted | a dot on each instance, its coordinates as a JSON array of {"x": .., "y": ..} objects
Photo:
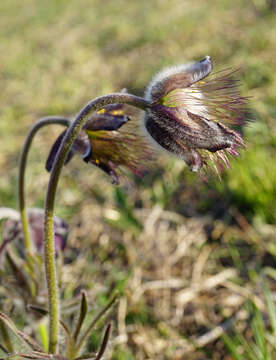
[{"x": 192, "y": 68}]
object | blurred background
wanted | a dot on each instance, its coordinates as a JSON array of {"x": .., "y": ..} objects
[{"x": 185, "y": 255}]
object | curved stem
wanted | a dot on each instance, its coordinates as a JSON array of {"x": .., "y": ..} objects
[
  {"x": 65, "y": 146},
  {"x": 22, "y": 169}
]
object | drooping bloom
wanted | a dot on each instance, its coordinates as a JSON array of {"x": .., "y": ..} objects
[
  {"x": 110, "y": 141},
  {"x": 191, "y": 118}
]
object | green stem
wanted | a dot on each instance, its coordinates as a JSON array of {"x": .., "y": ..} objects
[
  {"x": 22, "y": 170},
  {"x": 49, "y": 252}
]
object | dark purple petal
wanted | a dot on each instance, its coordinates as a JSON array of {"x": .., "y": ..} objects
[
  {"x": 51, "y": 157},
  {"x": 110, "y": 118},
  {"x": 105, "y": 122},
  {"x": 80, "y": 145},
  {"x": 115, "y": 151},
  {"x": 193, "y": 131},
  {"x": 174, "y": 145},
  {"x": 109, "y": 168}
]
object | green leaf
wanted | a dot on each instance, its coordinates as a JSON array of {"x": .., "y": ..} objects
[
  {"x": 82, "y": 315},
  {"x": 43, "y": 333},
  {"x": 96, "y": 319},
  {"x": 271, "y": 307},
  {"x": 104, "y": 342},
  {"x": 22, "y": 336},
  {"x": 232, "y": 347},
  {"x": 6, "y": 338}
]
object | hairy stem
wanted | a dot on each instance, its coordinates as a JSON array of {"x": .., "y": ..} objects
[
  {"x": 22, "y": 170},
  {"x": 62, "y": 153}
]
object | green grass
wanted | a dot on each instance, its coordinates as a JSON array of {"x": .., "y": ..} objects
[{"x": 261, "y": 344}]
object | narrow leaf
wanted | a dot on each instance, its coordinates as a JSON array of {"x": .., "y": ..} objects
[
  {"x": 271, "y": 339},
  {"x": 249, "y": 349},
  {"x": 258, "y": 329},
  {"x": 38, "y": 309},
  {"x": 30, "y": 341},
  {"x": 18, "y": 274},
  {"x": 25, "y": 338},
  {"x": 43, "y": 333},
  {"x": 82, "y": 315},
  {"x": 231, "y": 346},
  {"x": 104, "y": 342},
  {"x": 6, "y": 338},
  {"x": 271, "y": 307},
  {"x": 34, "y": 355},
  {"x": 3, "y": 349},
  {"x": 51, "y": 158},
  {"x": 96, "y": 319},
  {"x": 102, "y": 348}
]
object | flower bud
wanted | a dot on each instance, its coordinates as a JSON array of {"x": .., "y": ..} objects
[{"x": 12, "y": 230}]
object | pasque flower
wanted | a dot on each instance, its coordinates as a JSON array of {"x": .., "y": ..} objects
[
  {"x": 110, "y": 141},
  {"x": 191, "y": 118},
  {"x": 187, "y": 115}
]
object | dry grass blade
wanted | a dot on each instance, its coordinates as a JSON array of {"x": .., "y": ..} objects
[
  {"x": 22, "y": 336},
  {"x": 82, "y": 315},
  {"x": 246, "y": 293},
  {"x": 218, "y": 331},
  {"x": 7, "y": 213},
  {"x": 213, "y": 281},
  {"x": 158, "y": 285}
]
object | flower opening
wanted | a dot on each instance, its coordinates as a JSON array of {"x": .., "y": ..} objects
[{"x": 110, "y": 141}]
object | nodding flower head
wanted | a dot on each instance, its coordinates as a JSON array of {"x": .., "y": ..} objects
[
  {"x": 191, "y": 118},
  {"x": 110, "y": 141}
]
